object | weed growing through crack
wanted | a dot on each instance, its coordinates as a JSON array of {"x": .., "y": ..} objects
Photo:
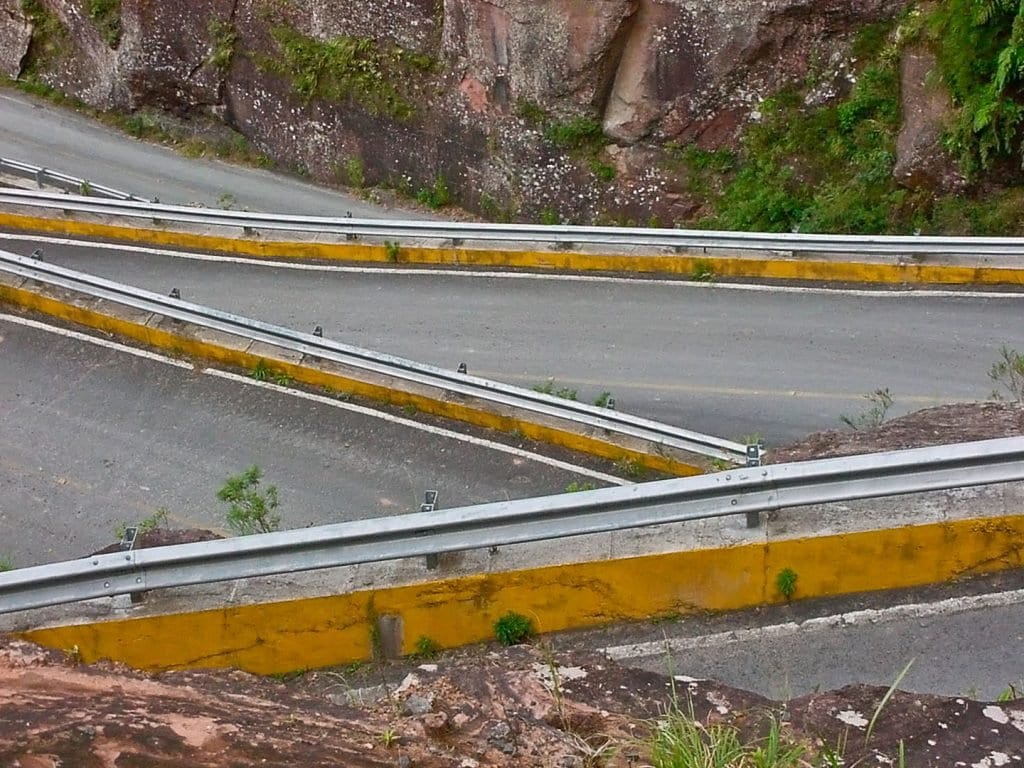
[
  {"x": 513, "y": 629},
  {"x": 785, "y": 583}
]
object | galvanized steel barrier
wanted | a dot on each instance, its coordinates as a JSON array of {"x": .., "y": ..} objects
[
  {"x": 452, "y": 382},
  {"x": 556, "y": 236},
  {"x": 739, "y": 491},
  {"x": 45, "y": 176}
]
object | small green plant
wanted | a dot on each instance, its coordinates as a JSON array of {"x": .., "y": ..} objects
[
  {"x": 261, "y": 371},
  {"x": 578, "y": 133},
  {"x": 679, "y": 740},
  {"x": 631, "y": 468},
  {"x": 702, "y": 271},
  {"x": 531, "y": 112},
  {"x": 602, "y": 400},
  {"x": 426, "y": 648},
  {"x": 223, "y": 38},
  {"x": 287, "y": 677},
  {"x": 602, "y": 171},
  {"x": 388, "y": 737},
  {"x": 226, "y": 201},
  {"x": 1008, "y": 371},
  {"x": 410, "y": 409},
  {"x": 393, "y": 251},
  {"x": 513, "y": 629},
  {"x": 785, "y": 583},
  {"x": 576, "y": 486},
  {"x": 880, "y": 400},
  {"x": 1009, "y": 693},
  {"x": 885, "y": 700},
  {"x": 355, "y": 172},
  {"x": 250, "y": 508},
  {"x": 157, "y": 520},
  {"x": 548, "y": 388},
  {"x": 550, "y": 217},
  {"x": 106, "y": 14},
  {"x": 435, "y": 196},
  {"x": 282, "y": 379},
  {"x": 6, "y": 563},
  {"x": 84, "y": 188}
]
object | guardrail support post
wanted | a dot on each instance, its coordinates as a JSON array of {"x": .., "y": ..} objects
[
  {"x": 428, "y": 505},
  {"x": 755, "y": 457},
  {"x": 350, "y": 235},
  {"x": 127, "y": 544}
]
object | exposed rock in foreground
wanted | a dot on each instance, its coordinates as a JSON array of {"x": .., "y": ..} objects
[
  {"x": 944, "y": 424},
  {"x": 474, "y": 708}
]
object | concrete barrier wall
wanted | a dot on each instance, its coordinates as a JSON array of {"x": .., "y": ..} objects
[
  {"x": 926, "y": 269},
  {"x": 712, "y": 565}
]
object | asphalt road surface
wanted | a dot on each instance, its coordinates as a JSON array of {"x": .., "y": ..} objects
[
  {"x": 727, "y": 363},
  {"x": 954, "y": 644},
  {"x": 92, "y": 437},
  {"x": 39, "y": 133}
]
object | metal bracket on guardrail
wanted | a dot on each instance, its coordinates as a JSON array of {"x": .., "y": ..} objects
[
  {"x": 462, "y": 368},
  {"x": 131, "y": 535},
  {"x": 428, "y": 505},
  {"x": 175, "y": 293},
  {"x": 318, "y": 331},
  {"x": 127, "y": 543},
  {"x": 755, "y": 458},
  {"x": 350, "y": 235}
]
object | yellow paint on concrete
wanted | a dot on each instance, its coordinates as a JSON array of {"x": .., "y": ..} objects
[
  {"x": 165, "y": 337},
  {"x": 682, "y": 264},
  {"x": 323, "y": 631}
]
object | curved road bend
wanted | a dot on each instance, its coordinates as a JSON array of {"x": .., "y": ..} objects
[
  {"x": 92, "y": 437},
  {"x": 728, "y": 363},
  {"x": 34, "y": 131}
]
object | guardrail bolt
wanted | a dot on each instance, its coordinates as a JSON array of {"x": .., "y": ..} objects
[
  {"x": 175, "y": 293},
  {"x": 319, "y": 331},
  {"x": 462, "y": 368}
]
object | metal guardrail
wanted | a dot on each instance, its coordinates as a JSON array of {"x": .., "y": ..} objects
[
  {"x": 528, "y": 233},
  {"x": 46, "y": 176},
  {"x": 458, "y": 384},
  {"x": 740, "y": 491}
]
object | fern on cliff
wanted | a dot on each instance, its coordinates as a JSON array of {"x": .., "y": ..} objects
[{"x": 980, "y": 47}]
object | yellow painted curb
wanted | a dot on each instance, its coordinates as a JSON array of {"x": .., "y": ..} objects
[
  {"x": 178, "y": 344},
  {"x": 316, "y": 632},
  {"x": 683, "y": 264}
]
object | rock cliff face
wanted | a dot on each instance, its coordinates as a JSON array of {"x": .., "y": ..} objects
[{"x": 478, "y": 84}]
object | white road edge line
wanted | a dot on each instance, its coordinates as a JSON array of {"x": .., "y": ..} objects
[
  {"x": 99, "y": 342},
  {"x": 408, "y": 423},
  {"x": 464, "y": 273},
  {"x": 823, "y": 623}
]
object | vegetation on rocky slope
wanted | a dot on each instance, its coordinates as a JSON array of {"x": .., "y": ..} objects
[{"x": 830, "y": 168}]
